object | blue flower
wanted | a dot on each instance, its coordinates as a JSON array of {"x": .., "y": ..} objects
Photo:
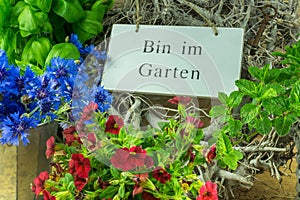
[
  {"x": 16, "y": 127},
  {"x": 103, "y": 98},
  {"x": 76, "y": 42}
]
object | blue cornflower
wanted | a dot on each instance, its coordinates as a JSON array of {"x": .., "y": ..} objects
[
  {"x": 45, "y": 96},
  {"x": 103, "y": 98},
  {"x": 84, "y": 50},
  {"x": 62, "y": 71},
  {"x": 16, "y": 127}
]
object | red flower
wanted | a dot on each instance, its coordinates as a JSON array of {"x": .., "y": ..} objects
[
  {"x": 148, "y": 196},
  {"x": 211, "y": 153},
  {"x": 128, "y": 159},
  {"x": 80, "y": 125},
  {"x": 114, "y": 124},
  {"x": 50, "y": 147},
  {"x": 180, "y": 99},
  {"x": 196, "y": 122},
  {"x": 47, "y": 196},
  {"x": 39, "y": 182},
  {"x": 208, "y": 191},
  {"x": 70, "y": 136},
  {"x": 79, "y": 165},
  {"x": 79, "y": 182},
  {"x": 161, "y": 175},
  {"x": 88, "y": 111}
]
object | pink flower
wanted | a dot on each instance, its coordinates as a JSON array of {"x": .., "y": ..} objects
[
  {"x": 79, "y": 165},
  {"x": 128, "y": 159},
  {"x": 88, "y": 111},
  {"x": 114, "y": 124},
  {"x": 180, "y": 99},
  {"x": 208, "y": 191},
  {"x": 161, "y": 175},
  {"x": 139, "y": 178},
  {"x": 194, "y": 121},
  {"x": 39, "y": 182},
  {"x": 50, "y": 147}
]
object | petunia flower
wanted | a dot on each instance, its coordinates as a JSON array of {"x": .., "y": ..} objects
[
  {"x": 79, "y": 165},
  {"x": 180, "y": 99},
  {"x": 138, "y": 180},
  {"x": 47, "y": 196},
  {"x": 79, "y": 182},
  {"x": 70, "y": 136},
  {"x": 194, "y": 121},
  {"x": 208, "y": 191},
  {"x": 210, "y": 154},
  {"x": 148, "y": 196},
  {"x": 88, "y": 111},
  {"x": 50, "y": 147},
  {"x": 129, "y": 159},
  {"x": 16, "y": 127},
  {"x": 39, "y": 182},
  {"x": 161, "y": 175},
  {"x": 113, "y": 124}
]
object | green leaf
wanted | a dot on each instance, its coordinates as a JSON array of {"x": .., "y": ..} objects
[
  {"x": 247, "y": 87},
  {"x": 216, "y": 111},
  {"x": 33, "y": 22},
  {"x": 234, "y": 126},
  {"x": 263, "y": 125},
  {"x": 43, "y": 5},
  {"x": 231, "y": 159},
  {"x": 70, "y": 10},
  {"x": 40, "y": 49},
  {"x": 89, "y": 26},
  {"x": 224, "y": 145},
  {"x": 235, "y": 99},
  {"x": 283, "y": 125},
  {"x": 268, "y": 93},
  {"x": 222, "y": 97},
  {"x": 121, "y": 191},
  {"x": 8, "y": 42},
  {"x": 63, "y": 50},
  {"x": 276, "y": 106},
  {"x": 248, "y": 112},
  {"x": 5, "y": 11},
  {"x": 114, "y": 172},
  {"x": 109, "y": 192},
  {"x": 295, "y": 93},
  {"x": 255, "y": 72},
  {"x": 16, "y": 11}
]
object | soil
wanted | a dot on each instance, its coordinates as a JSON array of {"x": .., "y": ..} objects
[{"x": 267, "y": 187}]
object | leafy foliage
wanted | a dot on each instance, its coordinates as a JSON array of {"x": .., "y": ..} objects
[
  {"x": 269, "y": 101},
  {"x": 29, "y": 29}
]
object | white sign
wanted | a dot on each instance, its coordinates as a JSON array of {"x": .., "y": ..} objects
[{"x": 175, "y": 60}]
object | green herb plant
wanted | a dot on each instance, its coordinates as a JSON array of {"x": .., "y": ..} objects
[
  {"x": 34, "y": 31},
  {"x": 269, "y": 102}
]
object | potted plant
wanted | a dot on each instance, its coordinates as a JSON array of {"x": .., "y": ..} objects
[{"x": 102, "y": 158}]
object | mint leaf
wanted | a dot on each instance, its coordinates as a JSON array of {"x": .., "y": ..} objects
[
  {"x": 222, "y": 97},
  {"x": 247, "y": 87},
  {"x": 234, "y": 99},
  {"x": 283, "y": 125},
  {"x": 263, "y": 125},
  {"x": 248, "y": 112},
  {"x": 216, "y": 111}
]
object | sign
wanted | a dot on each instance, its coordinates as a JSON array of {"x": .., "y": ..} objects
[{"x": 180, "y": 60}]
